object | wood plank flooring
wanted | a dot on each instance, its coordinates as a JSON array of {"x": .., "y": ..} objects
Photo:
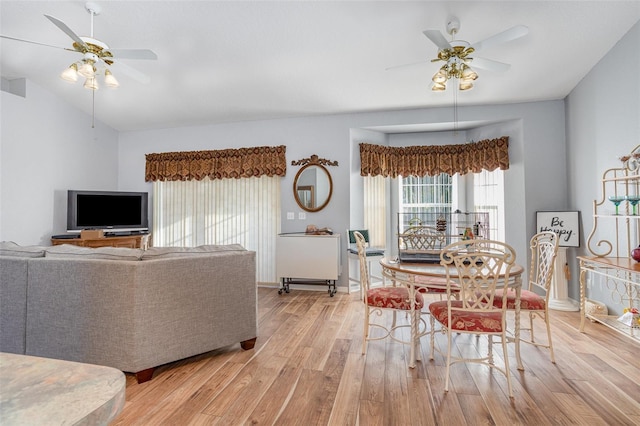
[{"x": 307, "y": 369}]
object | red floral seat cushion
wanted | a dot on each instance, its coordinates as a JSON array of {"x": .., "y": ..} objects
[
  {"x": 393, "y": 298},
  {"x": 434, "y": 285},
  {"x": 529, "y": 300},
  {"x": 466, "y": 321}
]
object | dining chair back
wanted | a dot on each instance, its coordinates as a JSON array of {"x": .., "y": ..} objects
[
  {"x": 371, "y": 253},
  {"x": 475, "y": 270},
  {"x": 535, "y": 299},
  {"x": 383, "y": 298}
]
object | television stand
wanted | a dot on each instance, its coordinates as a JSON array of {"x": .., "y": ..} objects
[{"x": 128, "y": 241}]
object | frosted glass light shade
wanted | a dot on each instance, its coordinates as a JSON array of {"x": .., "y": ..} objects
[
  {"x": 86, "y": 70},
  {"x": 465, "y": 85},
  {"x": 110, "y": 80},
  {"x": 70, "y": 74},
  {"x": 91, "y": 83}
]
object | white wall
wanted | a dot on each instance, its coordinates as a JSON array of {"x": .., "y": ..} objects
[
  {"x": 46, "y": 148},
  {"x": 603, "y": 123},
  {"x": 334, "y": 137}
]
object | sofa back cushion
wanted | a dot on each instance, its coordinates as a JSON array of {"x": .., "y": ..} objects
[
  {"x": 170, "y": 252},
  {"x": 69, "y": 251},
  {"x": 9, "y": 248}
]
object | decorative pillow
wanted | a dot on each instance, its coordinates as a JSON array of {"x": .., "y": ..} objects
[
  {"x": 167, "y": 252},
  {"x": 69, "y": 251},
  {"x": 9, "y": 248}
]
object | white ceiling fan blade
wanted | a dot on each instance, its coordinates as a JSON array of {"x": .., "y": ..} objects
[
  {"x": 490, "y": 65},
  {"x": 133, "y": 54},
  {"x": 503, "y": 37},
  {"x": 437, "y": 38},
  {"x": 34, "y": 42},
  {"x": 406, "y": 65},
  {"x": 119, "y": 67},
  {"x": 68, "y": 31}
]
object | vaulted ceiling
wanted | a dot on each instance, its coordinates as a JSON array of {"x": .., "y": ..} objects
[{"x": 237, "y": 61}]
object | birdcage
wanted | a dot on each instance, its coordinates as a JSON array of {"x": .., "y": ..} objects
[{"x": 421, "y": 236}]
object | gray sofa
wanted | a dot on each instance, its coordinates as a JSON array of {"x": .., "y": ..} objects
[{"x": 126, "y": 308}]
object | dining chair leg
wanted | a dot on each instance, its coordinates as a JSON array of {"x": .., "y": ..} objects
[
  {"x": 546, "y": 320},
  {"x": 517, "y": 331},
  {"x": 432, "y": 338},
  {"x": 505, "y": 355},
  {"x": 446, "y": 383},
  {"x": 416, "y": 334},
  {"x": 365, "y": 335},
  {"x": 531, "y": 317},
  {"x": 490, "y": 349}
]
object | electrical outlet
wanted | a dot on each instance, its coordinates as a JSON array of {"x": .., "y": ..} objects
[
  {"x": 291, "y": 215},
  {"x": 302, "y": 215}
]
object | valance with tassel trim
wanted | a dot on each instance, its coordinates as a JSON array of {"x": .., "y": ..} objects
[
  {"x": 219, "y": 164},
  {"x": 489, "y": 154}
]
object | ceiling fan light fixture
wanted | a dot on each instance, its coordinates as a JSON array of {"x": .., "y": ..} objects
[
  {"x": 110, "y": 80},
  {"x": 439, "y": 87},
  {"x": 440, "y": 76},
  {"x": 91, "y": 83},
  {"x": 70, "y": 74},
  {"x": 87, "y": 69},
  {"x": 468, "y": 74},
  {"x": 465, "y": 85}
]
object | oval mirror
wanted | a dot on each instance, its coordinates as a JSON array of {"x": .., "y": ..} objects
[{"x": 312, "y": 187}]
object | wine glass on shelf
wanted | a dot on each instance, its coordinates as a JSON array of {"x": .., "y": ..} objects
[
  {"x": 616, "y": 200},
  {"x": 633, "y": 200}
]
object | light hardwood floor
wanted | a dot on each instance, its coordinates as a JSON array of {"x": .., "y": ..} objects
[{"x": 307, "y": 369}]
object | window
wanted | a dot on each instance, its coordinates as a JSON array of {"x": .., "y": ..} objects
[
  {"x": 427, "y": 194},
  {"x": 221, "y": 211},
  {"x": 444, "y": 193},
  {"x": 488, "y": 196}
]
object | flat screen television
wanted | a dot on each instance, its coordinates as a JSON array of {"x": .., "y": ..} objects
[{"x": 112, "y": 211}]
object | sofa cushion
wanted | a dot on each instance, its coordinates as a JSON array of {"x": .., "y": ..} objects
[
  {"x": 169, "y": 252},
  {"x": 67, "y": 251},
  {"x": 9, "y": 248}
]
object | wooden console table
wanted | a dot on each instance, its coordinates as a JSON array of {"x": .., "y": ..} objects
[{"x": 128, "y": 241}]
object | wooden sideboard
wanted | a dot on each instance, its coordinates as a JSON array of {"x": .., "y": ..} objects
[{"x": 129, "y": 241}]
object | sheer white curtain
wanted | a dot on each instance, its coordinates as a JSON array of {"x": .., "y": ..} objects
[
  {"x": 220, "y": 211},
  {"x": 375, "y": 209},
  {"x": 488, "y": 196}
]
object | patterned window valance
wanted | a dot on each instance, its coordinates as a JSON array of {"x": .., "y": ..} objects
[
  {"x": 489, "y": 154},
  {"x": 220, "y": 164}
]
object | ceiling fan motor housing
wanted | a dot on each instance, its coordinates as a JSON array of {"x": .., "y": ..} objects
[{"x": 453, "y": 25}]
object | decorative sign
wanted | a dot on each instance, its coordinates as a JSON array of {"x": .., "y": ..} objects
[{"x": 565, "y": 224}]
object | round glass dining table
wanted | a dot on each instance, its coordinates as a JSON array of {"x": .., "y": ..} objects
[{"x": 432, "y": 278}]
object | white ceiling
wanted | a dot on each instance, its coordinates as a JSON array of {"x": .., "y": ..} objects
[{"x": 236, "y": 61}]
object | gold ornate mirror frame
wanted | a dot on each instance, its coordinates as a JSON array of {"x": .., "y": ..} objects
[{"x": 312, "y": 186}]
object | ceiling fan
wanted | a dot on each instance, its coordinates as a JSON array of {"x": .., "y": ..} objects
[
  {"x": 97, "y": 56},
  {"x": 456, "y": 55}
]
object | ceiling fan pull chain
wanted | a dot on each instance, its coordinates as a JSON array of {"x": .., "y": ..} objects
[{"x": 93, "y": 109}]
